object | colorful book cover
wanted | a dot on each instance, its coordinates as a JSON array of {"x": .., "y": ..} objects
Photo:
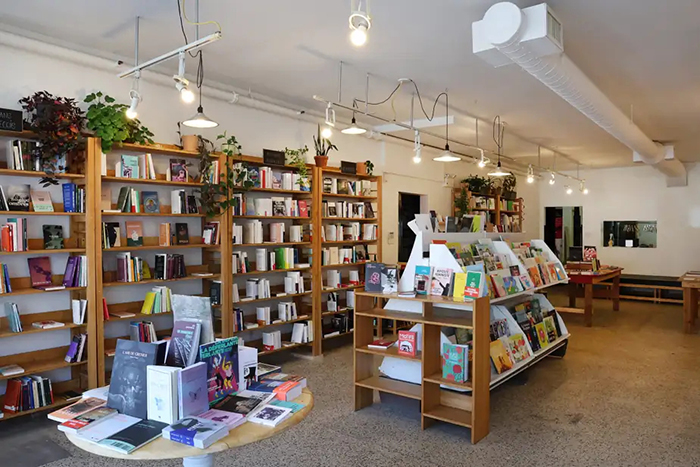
[
  {"x": 17, "y": 197},
  {"x": 535, "y": 276},
  {"x": 559, "y": 270},
  {"x": 518, "y": 348},
  {"x": 192, "y": 390},
  {"x": 500, "y": 357},
  {"x": 373, "y": 277},
  {"x": 454, "y": 362},
  {"x": 134, "y": 233},
  {"x": 90, "y": 418},
  {"x": 542, "y": 335},
  {"x": 178, "y": 170},
  {"x": 130, "y": 166},
  {"x": 550, "y": 328},
  {"x": 473, "y": 287},
  {"x": 422, "y": 280},
  {"x": 512, "y": 285},
  {"x": 221, "y": 358},
  {"x": 460, "y": 285},
  {"x": 40, "y": 271},
  {"x": 440, "y": 282},
  {"x": 230, "y": 419},
  {"x": 526, "y": 282},
  {"x": 514, "y": 270},
  {"x": 150, "y": 201},
  {"x": 498, "y": 285},
  {"x": 407, "y": 343}
]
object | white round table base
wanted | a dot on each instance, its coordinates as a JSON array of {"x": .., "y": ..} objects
[{"x": 206, "y": 460}]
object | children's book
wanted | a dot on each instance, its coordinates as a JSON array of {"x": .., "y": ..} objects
[
  {"x": 550, "y": 328},
  {"x": 455, "y": 365},
  {"x": 500, "y": 357},
  {"x": 407, "y": 343},
  {"x": 542, "y": 335},
  {"x": 512, "y": 285},
  {"x": 518, "y": 348},
  {"x": 460, "y": 284},
  {"x": 498, "y": 285},
  {"x": 221, "y": 358},
  {"x": 474, "y": 282}
]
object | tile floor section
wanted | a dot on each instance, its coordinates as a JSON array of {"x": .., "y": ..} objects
[{"x": 627, "y": 393}]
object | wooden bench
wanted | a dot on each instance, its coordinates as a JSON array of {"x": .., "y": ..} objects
[{"x": 628, "y": 281}]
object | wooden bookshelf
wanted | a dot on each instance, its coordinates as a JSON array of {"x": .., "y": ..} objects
[
  {"x": 495, "y": 216},
  {"x": 372, "y": 247},
  {"x": 146, "y": 181},
  {"x": 469, "y": 410}
]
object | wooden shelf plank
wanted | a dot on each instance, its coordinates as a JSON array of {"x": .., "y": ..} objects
[
  {"x": 307, "y": 318},
  {"x": 360, "y": 197},
  {"x": 158, "y": 247},
  {"x": 441, "y": 318},
  {"x": 342, "y": 310},
  {"x": 273, "y": 217},
  {"x": 276, "y": 297},
  {"x": 348, "y": 242},
  {"x": 288, "y": 347},
  {"x": 391, "y": 386},
  {"x": 438, "y": 379},
  {"x": 450, "y": 415},
  {"x": 348, "y": 219},
  {"x": 30, "y": 291},
  {"x": 339, "y": 289},
  {"x": 273, "y": 271},
  {"x": 275, "y": 190},
  {"x": 337, "y": 335},
  {"x": 336, "y": 172},
  {"x": 32, "y": 368},
  {"x": 33, "y": 174},
  {"x": 149, "y": 214},
  {"x": 45, "y": 252},
  {"x": 33, "y": 213},
  {"x": 344, "y": 265},
  {"x": 246, "y": 245},
  {"x": 146, "y": 181},
  {"x": 136, "y": 317},
  {"x": 157, "y": 149},
  {"x": 392, "y": 351},
  {"x": 33, "y": 330},
  {"x": 159, "y": 281}
]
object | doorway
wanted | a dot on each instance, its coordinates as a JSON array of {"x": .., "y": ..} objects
[
  {"x": 409, "y": 206},
  {"x": 563, "y": 232}
]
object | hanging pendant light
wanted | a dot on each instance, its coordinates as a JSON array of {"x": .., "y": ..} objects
[
  {"x": 200, "y": 120},
  {"x": 447, "y": 155},
  {"x": 498, "y": 130},
  {"x": 353, "y": 129},
  {"x": 499, "y": 172}
]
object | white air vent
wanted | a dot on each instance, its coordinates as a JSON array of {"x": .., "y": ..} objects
[{"x": 554, "y": 30}]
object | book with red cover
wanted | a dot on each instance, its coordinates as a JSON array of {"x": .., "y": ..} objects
[
  {"x": 381, "y": 344},
  {"x": 40, "y": 272},
  {"x": 407, "y": 343},
  {"x": 303, "y": 208},
  {"x": 13, "y": 393}
]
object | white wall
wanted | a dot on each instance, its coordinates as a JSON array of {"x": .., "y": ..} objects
[{"x": 637, "y": 193}]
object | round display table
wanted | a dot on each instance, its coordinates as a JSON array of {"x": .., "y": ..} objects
[{"x": 192, "y": 457}]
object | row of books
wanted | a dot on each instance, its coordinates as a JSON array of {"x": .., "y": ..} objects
[
  {"x": 344, "y": 255},
  {"x": 135, "y": 201},
  {"x": 254, "y": 232},
  {"x": 24, "y": 155},
  {"x": 75, "y": 274},
  {"x": 23, "y": 198},
  {"x": 13, "y": 235},
  {"x": 27, "y": 393},
  {"x": 509, "y": 223},
  {"x": 347, "y": 209},
  {"x": 141, "y": 167},
  {"x": 142, "y": 331},
  {"x": 267, "y": 177},
  {"x": 12, "y": 314},
  {"x": 302, "y": 333},
  {"x": 76, "y": 350},
  {"x": 277, "y": 206},
  {"x": 338, "y": 324},
  {"x": 135, "y": 269},
  {"x": 112, "y": 234},
  {"x": 332, "y": 300},
  {"x": 5, "y": 283},
  {"x": 334, "y": 278},
  {"x": 353, "y": 231},
  {"x": 258, "y": 288},
  {"x": 343, "y": 186},
  {"x": 482, "y": 202}
]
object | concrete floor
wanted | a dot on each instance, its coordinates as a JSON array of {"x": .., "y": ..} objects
[{"x": 627, "y": 393}]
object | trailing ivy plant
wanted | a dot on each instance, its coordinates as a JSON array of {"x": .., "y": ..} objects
[
  {"x": 57, "y": 122},
  {"x": 297, "y": 159},
  {"x": 108, "y": 120}
]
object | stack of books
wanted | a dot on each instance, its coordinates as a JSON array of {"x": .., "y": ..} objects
[
  {"x": 131, "y": 268},
  {"x": 158, "y": 300},
  {"x": 13, "y": 235},
  {"x": 27, "y": 393},
  {"x": 136, "y": 167},
  {"x": 142, "y": 331}
]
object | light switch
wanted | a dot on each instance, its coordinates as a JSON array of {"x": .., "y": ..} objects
[{"x": 391, "y": 238}]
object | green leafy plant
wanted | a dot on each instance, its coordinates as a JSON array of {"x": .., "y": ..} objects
[
  {"x": 370, "y": 167},
  {"x": 107, "y": 119},
  {"x": 462, "y": 202},
  {"x": 323, "y": 145},
  {"x": 509, "y": 183},
  {"x": 57, "y": 121},
  {"x": 478, "y": 184},
  {"x": 297, "y": 158}
]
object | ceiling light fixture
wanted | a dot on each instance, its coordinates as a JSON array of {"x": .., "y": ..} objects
[
  {"x": 360, "y": 23},
  {"x": 200, "y": 120},
  {"x": 582, "y": 187},
  {"x": 483, "y": 162},
  {"x": 530, "y": 174},
  {"x": 135, "y": 97},
  {"x": 552, "y": 179},
  {"x": 447, "y": 156},
  {"x": 499, "y": 172},
  {"x": 353, "y": 129},
  {"x": 182, "y": 83},
  {"x": 326, "y": 132},
  {"x": 498, "y": 132},
  {"x": 417, "y": 149},
  {"x": 569, "y": 190}
]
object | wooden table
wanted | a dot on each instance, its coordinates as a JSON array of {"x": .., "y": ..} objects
[
  {"x": 192, "y": 457},
  {"x": 691, "y": 284},
  {"x": 588, "y": 278}
]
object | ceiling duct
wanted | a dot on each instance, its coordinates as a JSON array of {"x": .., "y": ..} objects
[{"x": 533, "y": 38}]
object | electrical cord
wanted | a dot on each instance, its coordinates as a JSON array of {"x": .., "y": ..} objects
[
  {"x": 184, "y": 13},
  {"x": 498, "y": 133},
  {"x": 420, "y": 100},
  {"x": 182, "y": 28}
]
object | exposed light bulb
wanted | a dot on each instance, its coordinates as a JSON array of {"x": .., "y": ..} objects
[
  {"x": 353, "y": 129},
  {"x": 358, "y": 36},
  {"x": 326, "y": 132},
  {"x": 582, "y": 187},
  {"x": 552, "y": 180},
  {"x": 530, "y": 179},
  {"x": 186, "y": 95},
  {"x": 585, "y": 191},
  {"x": 530, "y": 174},
  {"x": 131, "y": 112},
  {"x": 360, "y": 23},
  {"x": 569, "y": 190},
  {"x": 482, "y": 164}
]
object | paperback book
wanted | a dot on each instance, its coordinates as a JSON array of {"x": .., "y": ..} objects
[
  {"x": 126, "y": 389},
  {"x": 221, "y": 358}
]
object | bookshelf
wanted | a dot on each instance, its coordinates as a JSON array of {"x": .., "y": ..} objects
[
  {"x": 49, "y": 346},
  {"x": 252, "y": 247},
  {"x": 506, "y": 215},
  {"x": 327, "y": 198},
  {"x": 203, "y": 262}
]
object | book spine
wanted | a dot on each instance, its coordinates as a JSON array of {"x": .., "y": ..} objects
[
  {"x": 68, "y": 205},
  {"x": 179, "y": 438},
  {"x": 69, "y": 274}
]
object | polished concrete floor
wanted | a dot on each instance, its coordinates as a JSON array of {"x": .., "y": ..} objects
[{"x": 627, "y": 393}]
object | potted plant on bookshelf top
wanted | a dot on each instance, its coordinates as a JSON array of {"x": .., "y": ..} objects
[
  {"x": 369, "y": 167},
  {"x": 478, "y": 184},
  {"x": 187, "y": 142},
  {"x": 297, "y": 158},
  {"x": 57, "y": 122},
  {"x": 509, "y": 184},
  {"x": 108, "y": 121},
  {"x": 323, "y": 146}
]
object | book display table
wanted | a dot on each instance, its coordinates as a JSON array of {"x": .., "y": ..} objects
[
  {"x": 588, "y": 278},
  {"x": 193, "y": 457},
  {"x": 691, "y": 284}
]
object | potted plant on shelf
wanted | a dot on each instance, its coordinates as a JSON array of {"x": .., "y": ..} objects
[
  {"x": 188, "y": 142},
  {"x": 323, "y": 146},
  {"x": 297, "y": 158},
  {"x": 478, "y": 184},
  {"x": 57, "y": 122},
  {"x": 107, "y": 120},
  {"x": 509, "y": 184},
  {"x": 369, "y": 167}
]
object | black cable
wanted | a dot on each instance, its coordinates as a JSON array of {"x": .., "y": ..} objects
[
  {"x": 182, "y": 28},
  {"x": 354, "y": 101}
]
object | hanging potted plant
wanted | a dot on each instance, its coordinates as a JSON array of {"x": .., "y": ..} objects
[
  {"x": 509, "y": 184},
  {"x": 323, "y": 146},
  {"x": 297, "y": 158},
  {"x": 107, "y": 120},
  {"x": 57, "y": 122}
]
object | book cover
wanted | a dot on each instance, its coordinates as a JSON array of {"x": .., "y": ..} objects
[
  {"x": 500, "y": 357},
  {"x": 92, "y": 417},
  {"x": 422, "y": 280},
  {"x": 127, "y": 390},
  {"x": 162, "y": 404},
  {"x": 178, "y": 170},
  {"x": 41, "y": 201},
  {"x": 114, "y": 424},
  {"x": 518, "y": 348},
  {"x": 17, "y": 197},
  {"x": 271, "y": 415},
  {"x": 182, "y": 233},
  {"x": 380, "y": 344},
  {"x": 150, "y": 201},
  {"x": 534, "y": 273},
  {"x": 113, "y": 233},
  {"x": 134, "y": 233},
  {"x": 498, "y": 285},
  {"x": 511, "y": 284},
  {"x": 390, "y": 279},
  {"x": 221, "y": 358},
  {"x": 244, "y": 403},
  {"x": 407, "y": 343},
  {"x": 526, "y": 282},
  {"x": 373, "y": 277},
  {"x": 440, "y": 282},
  {"x": 79, "y": 408},
  {"x": 106, "y": 199},
  {"x": 454, "y": 362},
  {"x": 542, "y": 335},
  {"x": 473, "y": 287},
  {"x": 230, "y": 419},
  {"x": 53, "y": 237},
  {"x": 40, "y": 271},
  {"x": 192, "y": 390},
  {"x": 460, "y": 283},
  {"x": 550, "y": 328},
  {"x": 130, "y": 166},
  {"x": 195, "y": 431},
  {"x": 135, "y": 436},
  {"x": 184, "y": 344}
]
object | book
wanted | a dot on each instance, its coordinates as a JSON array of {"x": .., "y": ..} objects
[
  {"x": 390, "y": 279},
  {"x": 196, "y": 432},
  {"x": 17, "y": 197},
  {"x": 498, "y": 285},
  {"x": 184, "y": 344},
  {"x": 284, "y": 377},
  {"x": 182, "y": 233},
  {"x": 178, "y": 170},
  {"x": 114, "y": 424},
  {"x": 542, "y": 338},
  {"x": 230, "y": 419},
  {"x": 421, "y": 281},
  {"x": 53, "y": 237},
  {"x": 40, "y": 272},
  {"x": 500, "y": 356},
  {"x": 550, "y": 328},
  {"x": 373, "y": 277},
  {"x": 512, "y": 285},
  {"x": 517, "y": 347},
  {"x": 150, "y": 201},
  {"x": 126, "y": 389},
  {"x": 192, "y": 390},
  {"x": 221, "y": 358},
  {"x": 460, "y": 283},
  {"x": 130, "y": 167},
  {"x": 271, "y": 415},
  {"x": 407, "y": 343},
  {"x": 133, "y": 437},
  {"x": 454, "y": 359},
  {"x": 440, "y": 281},
  {"x": 285, "y": 390},
  {"x": 380, "y": 344},
  {"x": 245, "y": 402},
  {"x": 473, "y": 287},
  {"x": 134, "y": 233},
  {"x": 91, "y": 418},
  {"x": 79, "y": 408},
  {"x": 41, "y": 201},
  {"x": 11, "y": 370},
  {"x": 163, "y": 402},
  {"x": 48, "y": 324}
]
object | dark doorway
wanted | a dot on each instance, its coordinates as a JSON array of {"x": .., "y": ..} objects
[
  {"x": 409, "y": 206},
  {"x": 563, "y": 232}
]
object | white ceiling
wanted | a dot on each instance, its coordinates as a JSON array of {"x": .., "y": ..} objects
[{"x": 639, "y": 53}]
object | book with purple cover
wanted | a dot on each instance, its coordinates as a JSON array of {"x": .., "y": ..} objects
[
  {"x": 70, "y": 271},
  {"x": 230, "y": 419},
  {"x": 40, "y": 271}
]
